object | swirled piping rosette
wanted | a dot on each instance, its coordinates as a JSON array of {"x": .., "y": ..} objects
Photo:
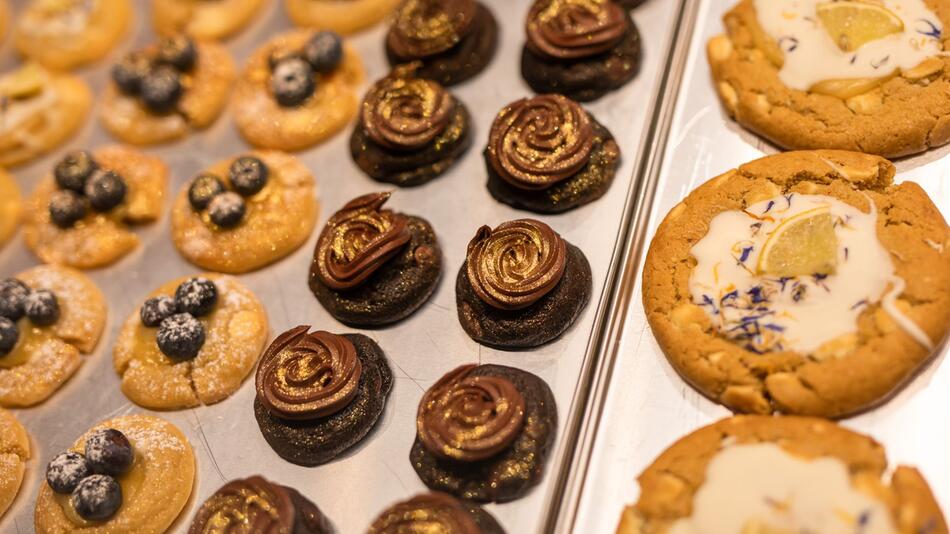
[
  {"x": 431, "y": 512},
  {"x": 402, "y": 112},
  {"x": 574, "y": 29},
  {"x": 425, "y": 28}
]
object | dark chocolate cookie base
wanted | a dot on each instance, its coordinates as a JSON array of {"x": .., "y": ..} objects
[
  {"x": 591, "y": 183},
  {"x": 512, "y": 472},
  {"x": 535, "y": 325},
  {"x": 485, "y": 521},
  {"x": 318, "y": 441},
  {"x": 585, "y": 79},
  {"x": 464, "y": 60},
  {"x": 393, "y": 292},
  {"x": 308, "y": 519},
  {"x": 408, "y": 169}
]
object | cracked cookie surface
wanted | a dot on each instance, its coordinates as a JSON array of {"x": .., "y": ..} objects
[
  {"x": 875, "y": 362},
  {"x": 203, "y": 20},
  {"x": 14, "y": 453}
]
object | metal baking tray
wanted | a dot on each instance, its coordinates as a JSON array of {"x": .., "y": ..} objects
[
  {"x": 639, "y": 405},
  {"x": 355, "y": 488}
]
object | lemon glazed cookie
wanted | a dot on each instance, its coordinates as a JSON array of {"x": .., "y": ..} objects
[
  {"x": 133, "y": 473},
  {"x": 49, "y": 315},
  {"x": 297, "y": 90},
  {"x": 805, "y": 283},
  {"x": 342, "y": 16},
  {"x": 82, "y": 214},
  {"x": 65, "y": 34},
  {"x": 11, "y": 206},
  {"x": 244, "y": 213},
  {"x": 865, "y": 76},
  {"x": 778, "y": 475},
  {"x": 202, "y": 19},
  {"x": 193, "y": 341},
  {"x": 14, "y": 453}
]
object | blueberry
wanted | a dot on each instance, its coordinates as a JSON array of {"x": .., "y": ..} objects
[
  {"x": 66, "y": 208},
  {"x": 203, "y": 189},
  {"x": 9, "y": 335},
  {"x": 105, "y": 190},
  {"x": 161, "y": 89},
  {"x": 196, "y": 296},
  {"x": 157, "y": 309},
  {"x": 278, "y": 55},
  {"x": 66, "y": 470},
  {"x": 227, "y": 210},
  {"x": 129, "y": 73},
  {"x": 178, "y": 52},
  {"x": 292, "y": 81},
  {"x": 248, "y": 175},
  {"x": 108, "y": 452},
  {"x": 41, "y": 307},
  {"x": 97, "y": 497},
  {"x": 324, "y": 51},
  {"x": 181, "y": 336},
  {"x": 13, "y": 295},
  {"x": 73, "y": 170}
]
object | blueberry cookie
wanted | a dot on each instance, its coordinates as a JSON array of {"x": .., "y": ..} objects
[
  {"x": 580, "y": 49},
  {"x": 319, "y": 394},
  {"x": 14, "y": 453},
  {"x": 82, "y": 214},
  {"x": 257, "y": 505},
  {"x": 454, "y": 40},
  {"x": 133, "y": 473},
  {"x": 779, "y": 474},
  {"x": 297, "y": 90},
  {"x": 373, "y": 266},
  {"x": 11, "y": 207},
  {"x": 345, "y": 17},
  {"x": 410, "y": 130},
  {"x": 167, "y": 90},
  {"x": 246, "y": 212},
  {"x": 193, "y": 341},
  {"x": 435, "y": 512},
  {"x": 804, "y": 283},
  {"x": 209, "y": 20},
  {"x": 49, "y": 315}
]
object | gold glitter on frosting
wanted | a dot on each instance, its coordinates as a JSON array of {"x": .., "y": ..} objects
[
  {"x": 251, "y": 505},
  {"x": 403, "y": 112},
  {"x": 424, "y": 28},
  {"x": 574, "y": 29},
  {"x": 432, "y": 513}
]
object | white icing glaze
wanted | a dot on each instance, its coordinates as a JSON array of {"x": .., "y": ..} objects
[
  {"x": 764, "y": 485},
  {"x": 15, "y": 112},
  {"x": 812, "y": 56},
  {"x": 56, "y": 21},
  {"x": 765, "y": 313}
]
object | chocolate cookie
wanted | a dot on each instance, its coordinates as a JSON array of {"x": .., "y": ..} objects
[
  {"x": 309, "y": 418},
  {"x": 580, "y": 49},
  {"x": 454, "y": 39},
  {"x": 530, "y": 302},
  {"x": 483, "y": 433},
  {"x": 438, "y": 512},
  {"x": 255, "y": 504},
  {"x": 410, "y": 131},
  {"x": 373, "y": 267}
]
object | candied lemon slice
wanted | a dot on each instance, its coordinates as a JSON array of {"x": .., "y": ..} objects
[
  {"x": 23, "y": 82},
  {"x": 852, "y": 24},
  {"x": 802, "y": 245}
]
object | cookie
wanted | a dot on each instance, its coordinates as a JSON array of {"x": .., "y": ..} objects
[
  {"x": 255, "y": 504},
  {"x": 11, "y": 207},
  {"x": 454, "y": 40},
  {"x": 83, "y": 213},
  {"x": 629, "y": 4},
  {"x": 341, "y": 17},
  {"x": 582, "y": 50},
  {"x": 43, "y": 109},
  {"x": 372, "y": 266},
  {"x": 49, "y": 338},
  {"x": 310, "y": 417},
  {"x": 438, "y": 512},
  {"x": 154, "y": 488},
  {"x": 803, "y": 85},
  {"x": 167, "y": 90},
  {"x": 205, "y": 338},
  {"x": 483, "y": 433},
  {"x": 548, "y": 155},
  {"x": 521, "y": 286},
  {"x": 840, "y": 284},
  {"x": 297, "y": 90},
  {"x": 786, "y": 474},
  {"x": 14, "y": 453},
  {"x": 210, "y": 21},
  {"x": 274, "y": 220},
  {"x": 63, "y": 35},
  {"x": 410, "y": 130}
]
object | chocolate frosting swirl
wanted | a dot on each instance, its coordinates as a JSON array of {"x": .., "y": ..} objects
[
  {"x": 517, "y": 263},
  {"x": 573, "y": 29},
  {"x": 535, "y": 143},
  {"x": 307, "y": 376},
  {"x": 428, "y": 513},
  {"x": 246, "y": 506},
  {"x": 469, "y": 418},
  {"x": 425, "y": 28},
  {"x": 403, "y": 112},
  {"x": 358, "y": 240}
]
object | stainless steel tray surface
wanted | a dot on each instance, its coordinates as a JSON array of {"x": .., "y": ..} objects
[
  {"x": 647, "y": 406},
  {"x": 355, "y": 488}
]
